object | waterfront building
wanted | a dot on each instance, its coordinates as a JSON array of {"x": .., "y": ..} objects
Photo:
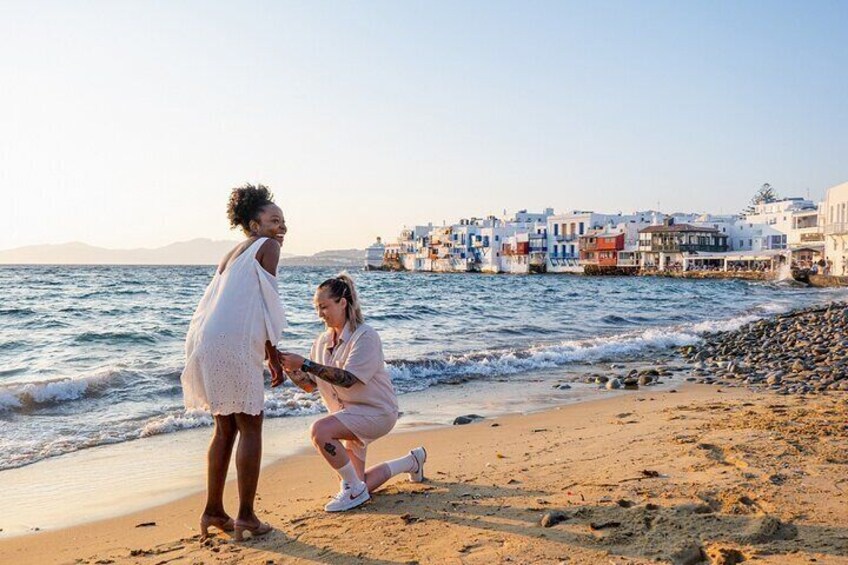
[
  {"x": 599, "y": 250},
  {"x": 564, "y": 232},
  {"x": 834, "y": 221},
  {"x": 526, "y": 250},
  {"x": 790, "y": 224},
  {"x": 490, "y": 247},
  {"x": 670, "y": 246},
  {"x": 413, "y": 244}
]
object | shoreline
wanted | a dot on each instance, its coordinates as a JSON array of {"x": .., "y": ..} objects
[
  {"x": 491, "y": 482},
  {"x": 40, "y": 501}
]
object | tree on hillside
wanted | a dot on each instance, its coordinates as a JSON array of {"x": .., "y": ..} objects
[{"x": 764, "y": 195}]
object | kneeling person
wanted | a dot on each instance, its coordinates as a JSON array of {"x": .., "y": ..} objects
[{"x": 346, "y": 365}]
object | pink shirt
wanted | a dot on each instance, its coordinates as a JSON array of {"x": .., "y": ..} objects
[{"x": 360, "y": 353}]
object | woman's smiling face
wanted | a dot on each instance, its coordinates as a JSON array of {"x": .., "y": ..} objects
[
  {"x": 269, "y": 223},
  {"x": 330, "y": 310}
]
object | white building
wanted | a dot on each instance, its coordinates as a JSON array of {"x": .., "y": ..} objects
[
  {"x": 790, "y": 223},
  {"x": 414, "y": 252},
  {"x": 834, "y": 220},
  {"x": 564, "y": 231}
]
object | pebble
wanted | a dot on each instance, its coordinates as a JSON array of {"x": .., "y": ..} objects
[
  {"x": 613, "y": 384},
  {"x": 689, "y": 554},
  {"x": 800, "y": 352},
  {"x": 553, "y": 518},
  {"x": 467, "y": 419}
]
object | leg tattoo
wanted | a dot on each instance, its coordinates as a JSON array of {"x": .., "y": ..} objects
[{"x": 330, "y": 448}]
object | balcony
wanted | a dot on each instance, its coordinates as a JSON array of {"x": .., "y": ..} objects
[
  {"x": 684, "y": 248},
  {"x": 815, "y": 236},
  {"x": 836, "y": 228}
]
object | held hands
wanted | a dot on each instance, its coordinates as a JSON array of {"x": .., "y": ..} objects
[
  {"x": 278, "y": 375},
  {"x": 291, "y": 362}
]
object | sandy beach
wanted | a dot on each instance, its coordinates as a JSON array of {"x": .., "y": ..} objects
[{"x": 687, "y": 475}]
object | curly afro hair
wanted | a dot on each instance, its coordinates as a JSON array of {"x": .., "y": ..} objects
[{"x": 245, "y": 204}]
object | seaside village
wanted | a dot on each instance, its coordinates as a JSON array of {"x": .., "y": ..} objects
[{"x": 776, "y": 237}]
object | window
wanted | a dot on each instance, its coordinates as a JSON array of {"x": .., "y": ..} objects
[{"x": 556, "y": 229}]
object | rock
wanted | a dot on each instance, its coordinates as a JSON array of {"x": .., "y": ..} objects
[
  {"x": 689, "y": 554},
  {"x": 462, "y": 420},
  {"x": 725, "y": 556},
  {"x": 768, "y": 529},
  {"x": 774, "y": 379},
  {"x": 553, "y": 518},
  {"x": 613, "y": 384},
  {"x": 601, "y": 380},
  {"x": 408, "y": 518},
  {"x": 644, "y": 380}
]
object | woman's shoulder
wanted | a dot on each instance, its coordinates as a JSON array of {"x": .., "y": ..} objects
[{"x": 366, "y": 333}]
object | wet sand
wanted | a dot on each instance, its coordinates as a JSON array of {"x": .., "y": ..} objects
[{"x": 703, "y": 474}]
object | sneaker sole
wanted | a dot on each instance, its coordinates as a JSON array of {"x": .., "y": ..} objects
[{"x": 419, "y": 476}]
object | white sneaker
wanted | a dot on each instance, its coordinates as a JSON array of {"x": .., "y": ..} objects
[
  {"x": 348, "y": 497},
  {"x": 420, "y": 456}
]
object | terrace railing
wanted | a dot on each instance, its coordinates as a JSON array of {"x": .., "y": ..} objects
[{"x": 836, "y": 228}]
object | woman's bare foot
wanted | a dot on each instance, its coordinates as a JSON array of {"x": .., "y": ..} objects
[
  {"x": 252, "y": 525},
  {"x": 223, "y": 523}
]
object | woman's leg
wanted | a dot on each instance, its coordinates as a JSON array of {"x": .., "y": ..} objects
[
  {"x": 248, "y": 459},
  {"x": 373, "y": 477},
  {"x": 326, "y": 434},
  {"x": 411, "y": 463},
  {"x": 217, "y": 463}
]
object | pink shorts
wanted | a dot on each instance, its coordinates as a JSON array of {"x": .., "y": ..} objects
[{"x": 366, "y": 428}]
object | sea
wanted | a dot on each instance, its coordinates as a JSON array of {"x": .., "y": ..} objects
[{"x": 92, "y": 355}]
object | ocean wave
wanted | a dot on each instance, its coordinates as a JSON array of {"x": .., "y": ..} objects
[
  {"x": 115, "y": 337},
  {"x": 279, "y": 403},
  {"x": 110, "y": 293},
  {"x": 175, "y": 423},
  {"x": 29, "y": 396},
  {"x": 17, "y": 312},
  {"x": 414, "y": 375}
]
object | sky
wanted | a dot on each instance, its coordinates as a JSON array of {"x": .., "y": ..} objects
[{"x": 125, "y": 124}]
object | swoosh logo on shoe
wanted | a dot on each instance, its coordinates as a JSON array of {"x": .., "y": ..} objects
[{"x": 354, "y": 497}]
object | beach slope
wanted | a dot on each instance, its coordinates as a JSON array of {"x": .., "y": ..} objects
[{"x": 698, "y": 475}]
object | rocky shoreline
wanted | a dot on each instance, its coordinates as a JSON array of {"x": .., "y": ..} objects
[{"x": 800, "y": 352}]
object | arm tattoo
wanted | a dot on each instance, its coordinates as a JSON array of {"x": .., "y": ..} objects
[
  {"x": 333, "y": 375},
  {"x": 302, "y": 378},
  {"x": 330, "y": 448}
]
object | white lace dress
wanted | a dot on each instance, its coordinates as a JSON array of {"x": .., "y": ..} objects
[{"x": 225, "y": 345}]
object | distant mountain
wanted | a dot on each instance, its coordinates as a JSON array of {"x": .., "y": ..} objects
[
  {"x": 332, "y": 258},
  {"x": 194, "y": 252}
]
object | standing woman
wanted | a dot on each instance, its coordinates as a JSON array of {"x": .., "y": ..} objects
[
  {"x": 346, "y": 364},
  {"x": 235, "y": 327}
]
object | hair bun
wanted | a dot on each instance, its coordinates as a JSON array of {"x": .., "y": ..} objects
[{"x": 245, "y": 204}]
